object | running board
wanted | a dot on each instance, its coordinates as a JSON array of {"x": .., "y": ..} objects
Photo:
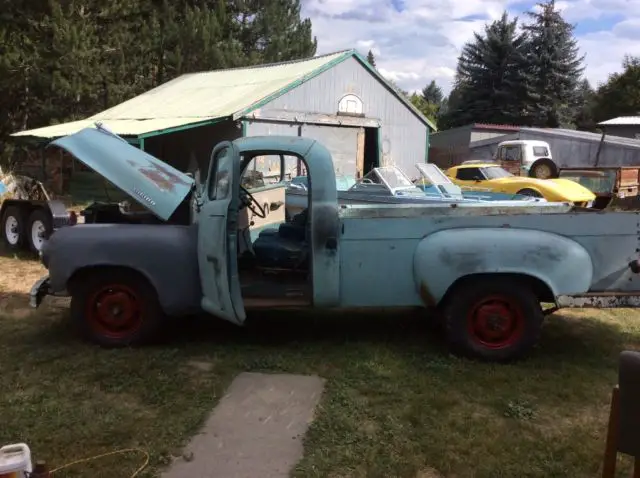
[{"x": 600, "y": 300}]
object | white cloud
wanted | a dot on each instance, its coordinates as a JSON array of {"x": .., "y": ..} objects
[{"x": 422, "y": 42}]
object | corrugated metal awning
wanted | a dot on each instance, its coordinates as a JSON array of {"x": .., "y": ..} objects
[{"x": 118, "y": 126}]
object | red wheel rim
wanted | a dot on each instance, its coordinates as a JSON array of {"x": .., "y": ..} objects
[
  {"x": 496, "y": 322},
  {"x": 114, "y": 311}
]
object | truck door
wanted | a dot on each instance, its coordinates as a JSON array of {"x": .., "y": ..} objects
[
  {"x": 510, "y": 158},
  {"x": 218, "y": 236}
]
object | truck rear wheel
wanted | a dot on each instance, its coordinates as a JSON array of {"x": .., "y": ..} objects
[
  {"x": 493, "y": 319},
  {"x": 13, "y": 230},
  {"x": 116, "y": 308},
  {"x": 39, "y": 228}
]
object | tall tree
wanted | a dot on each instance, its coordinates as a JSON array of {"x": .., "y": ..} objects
[
  {"x": 620, "y": 95},
  {"x": 432, "y": 93},
  {"x": 491, "y": 83},
  {"x": 585, "y": 107},
  {"x": 555, "y": 66},
  {"x": 371, "y": 59},
  {"x": 272, "y": 31}
]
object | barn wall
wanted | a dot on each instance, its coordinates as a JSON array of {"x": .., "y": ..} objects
[{"x": 403, "y": 136}]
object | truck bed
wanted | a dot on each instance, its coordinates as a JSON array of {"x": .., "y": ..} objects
[{"x": 384, "y": 240}]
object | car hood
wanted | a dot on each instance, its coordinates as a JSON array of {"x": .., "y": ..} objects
[{"x": 152, "y": 183}]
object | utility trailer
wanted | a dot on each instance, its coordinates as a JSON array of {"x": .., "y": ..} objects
[{"x": 30, "y": 215}]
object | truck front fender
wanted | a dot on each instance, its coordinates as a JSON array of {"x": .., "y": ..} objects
[{"x": 444, "y": 257}]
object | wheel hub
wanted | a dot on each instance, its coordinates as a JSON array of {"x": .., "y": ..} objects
[
  {"x": 38, "y": 234},
  {"x": 495, "y": 323},
  {"x": 11, "y": 230},
  {"x": 115, "y": 311}
]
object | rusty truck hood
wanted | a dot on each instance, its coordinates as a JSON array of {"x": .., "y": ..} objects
[{"x": 154, "y": 184}]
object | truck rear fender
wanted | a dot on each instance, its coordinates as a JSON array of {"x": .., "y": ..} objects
[{"x": 444, "y": 258}]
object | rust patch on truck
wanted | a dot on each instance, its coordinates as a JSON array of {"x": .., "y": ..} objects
[
  {"x": 162, "y": 177},
  {"x": 426, "y": 296}
]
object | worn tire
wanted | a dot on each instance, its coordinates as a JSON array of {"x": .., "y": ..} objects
[
  {"x": 530, "y": 192},
  {"x": 135, "y": 316},
  {"x": 541, "y": 165},
  {"x": 493, "y": 319},
  {"x": 44, "y": 217},
  {"x": 13, "y": 213}
]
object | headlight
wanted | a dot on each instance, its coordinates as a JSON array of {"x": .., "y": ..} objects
[{"x": 590, "y": 204}]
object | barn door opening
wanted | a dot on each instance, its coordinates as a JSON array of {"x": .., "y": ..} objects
[{"x": 371, "y": 149}]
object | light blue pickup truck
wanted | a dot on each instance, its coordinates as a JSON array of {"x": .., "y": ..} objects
[{"x": 484, "y": 270}]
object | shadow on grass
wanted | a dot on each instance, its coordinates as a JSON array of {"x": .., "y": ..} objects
[
  {"x": 21, "y": 255},
  {"x": 566, "y": 338}
]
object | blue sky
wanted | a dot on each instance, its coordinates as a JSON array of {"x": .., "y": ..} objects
[{"x": 416, "y": 41}]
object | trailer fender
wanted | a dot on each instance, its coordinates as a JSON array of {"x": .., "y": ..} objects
[{"x": 444, "y": 257}]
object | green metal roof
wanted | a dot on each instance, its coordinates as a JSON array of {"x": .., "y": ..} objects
[{"x": 201, "y": 98}]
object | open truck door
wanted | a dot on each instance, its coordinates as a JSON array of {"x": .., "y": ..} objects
[{"x": 218, "y": 236}]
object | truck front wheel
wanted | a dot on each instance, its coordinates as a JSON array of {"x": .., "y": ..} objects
[
  {"x": 115, "y": 308},
  {"x": 493, "y": 319}
]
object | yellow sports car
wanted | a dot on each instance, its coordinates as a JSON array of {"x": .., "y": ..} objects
[{"x": 483, "y": 176}]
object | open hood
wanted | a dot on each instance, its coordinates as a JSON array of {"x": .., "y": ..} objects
[{"x": 154, "y": 184}]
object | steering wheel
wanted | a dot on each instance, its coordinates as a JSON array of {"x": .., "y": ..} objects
[{"x": 251, "y": 202}]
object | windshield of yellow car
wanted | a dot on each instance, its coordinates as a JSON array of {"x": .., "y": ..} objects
[{"x": 495, "y": 172}]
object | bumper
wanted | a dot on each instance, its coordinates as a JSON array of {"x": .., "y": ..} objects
[{"x": 38, "y": 291}]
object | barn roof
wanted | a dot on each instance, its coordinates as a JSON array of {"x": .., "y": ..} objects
[{"x": 197, "y": 99}]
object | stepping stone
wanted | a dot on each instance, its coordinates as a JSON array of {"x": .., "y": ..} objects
[{"x": 255, "y": 431}]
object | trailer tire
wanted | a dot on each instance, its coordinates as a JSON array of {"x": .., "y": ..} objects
[
  {"x": 13, "y": 230},
  {"x": 116, "y": 307},
  {"x": 40, "y": 223},
  {"x": 493, "y": 319},
  {"x": 543, "y": 169}
]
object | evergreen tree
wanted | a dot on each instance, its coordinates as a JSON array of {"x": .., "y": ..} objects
[
  {"x": 584, "y": 109},
  {"x": 620, "y": 95},
  {"x": 272, "y": 31},
  {"x": 432, "y": 93},
  {"x": 491, "y": 84},
  {"x": 555, "y": 66},
  {"x": 371, "y": 59}
]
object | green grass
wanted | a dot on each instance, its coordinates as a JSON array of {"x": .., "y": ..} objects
[{"x": 396, "y": 403}]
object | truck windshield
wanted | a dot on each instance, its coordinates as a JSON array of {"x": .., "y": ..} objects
[{"x": 496, "y": 172}]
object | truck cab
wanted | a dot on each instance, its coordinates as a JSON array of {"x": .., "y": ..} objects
[{"x": 527, "y": 158}]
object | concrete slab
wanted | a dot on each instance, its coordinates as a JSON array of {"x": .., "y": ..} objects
[{"x": 255, "y": 431}]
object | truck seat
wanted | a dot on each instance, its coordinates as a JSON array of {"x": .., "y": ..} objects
[{"x": 285, "y": 247}]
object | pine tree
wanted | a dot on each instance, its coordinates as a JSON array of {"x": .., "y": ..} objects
[
  {"x": 272, "y": 31},
  {"x": 432, "y": 93},
  {"x": 555, "y": 66},
  {"x": 584, "y": 108},
  {"x": 490, "y": 84},
  {"x": 620, "y": 95},
  {"x": 371, "y": 59}
]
